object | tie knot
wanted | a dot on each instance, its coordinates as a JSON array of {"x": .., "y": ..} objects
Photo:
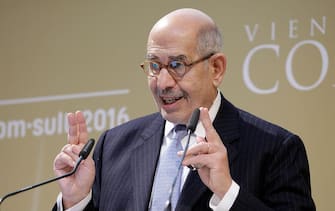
[
  {"x": 180, "y": 131},
  {"x": 179, "y": 128}
]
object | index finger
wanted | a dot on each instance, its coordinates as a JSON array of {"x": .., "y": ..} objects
[{"x": 211, "y": 134}]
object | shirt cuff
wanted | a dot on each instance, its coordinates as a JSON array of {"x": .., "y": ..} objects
[
  {"x": 77, "y": 207},
  {"x": 228, "y": 199}
]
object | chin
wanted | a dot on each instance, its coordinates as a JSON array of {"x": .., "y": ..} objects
[{"x": 174, "y": 117}]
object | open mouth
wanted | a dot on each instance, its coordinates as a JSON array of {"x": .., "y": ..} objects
[{"x": 170, "y": 100}]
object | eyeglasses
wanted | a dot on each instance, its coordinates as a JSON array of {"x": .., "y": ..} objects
[{"x": 176, "y": 68}]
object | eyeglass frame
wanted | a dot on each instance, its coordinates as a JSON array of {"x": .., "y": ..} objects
[{"x": 171, "y": 72}]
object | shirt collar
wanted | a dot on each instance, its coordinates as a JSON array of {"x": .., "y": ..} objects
[{"x": 200, "y": 130}]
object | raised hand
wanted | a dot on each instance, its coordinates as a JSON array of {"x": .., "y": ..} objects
[
  {"x": 76, "y": 187},
  {"x": 209, "y": 156}
]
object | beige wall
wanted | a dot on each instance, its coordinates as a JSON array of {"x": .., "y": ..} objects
[{"x": 61, "y": 56}]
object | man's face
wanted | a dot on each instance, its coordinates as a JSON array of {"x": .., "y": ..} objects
[{"x": 176, "y": 99}]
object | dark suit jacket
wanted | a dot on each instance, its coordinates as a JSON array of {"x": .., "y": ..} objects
[{"x": 267, "y": 162}]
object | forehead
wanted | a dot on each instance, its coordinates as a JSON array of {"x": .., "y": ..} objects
[
  {"x": 171, "y": 43},
  {"x": 170, "y": 50},
  {"x": 168, "y": 42}
]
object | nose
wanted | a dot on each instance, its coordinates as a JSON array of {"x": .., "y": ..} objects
[{"x": 165, "y": 79}]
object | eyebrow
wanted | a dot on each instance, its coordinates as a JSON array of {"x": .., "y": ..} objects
[{"x": 180, "y": 57}]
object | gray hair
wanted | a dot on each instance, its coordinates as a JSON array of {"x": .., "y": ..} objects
[{"x": 209, "y": 40}]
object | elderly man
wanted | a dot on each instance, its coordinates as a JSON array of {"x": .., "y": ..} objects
[{"x": 240, "y": 162}]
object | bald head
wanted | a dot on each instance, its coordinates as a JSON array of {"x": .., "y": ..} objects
[
  {"x": 188, "y": 24},
  {"x": 185, "y": 18}
]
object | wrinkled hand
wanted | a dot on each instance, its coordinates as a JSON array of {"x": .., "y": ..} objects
[
  {"x": 77, "y": 186},
  {"x": 209, "y": 156}
]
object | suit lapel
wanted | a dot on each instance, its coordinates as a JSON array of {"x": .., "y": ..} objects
[
  {"x": 192, "y": 191},
  {"x": 143, "y": 162},
  {"x": 227, "y": 126}
]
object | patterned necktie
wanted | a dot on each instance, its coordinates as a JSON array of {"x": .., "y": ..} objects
[{"x": 167, "y": 171}]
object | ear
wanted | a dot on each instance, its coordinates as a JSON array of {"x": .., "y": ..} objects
[{"x": 218, "y": 67}]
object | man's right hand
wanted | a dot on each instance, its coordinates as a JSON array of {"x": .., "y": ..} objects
[{"x": 76, "y": 187}]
